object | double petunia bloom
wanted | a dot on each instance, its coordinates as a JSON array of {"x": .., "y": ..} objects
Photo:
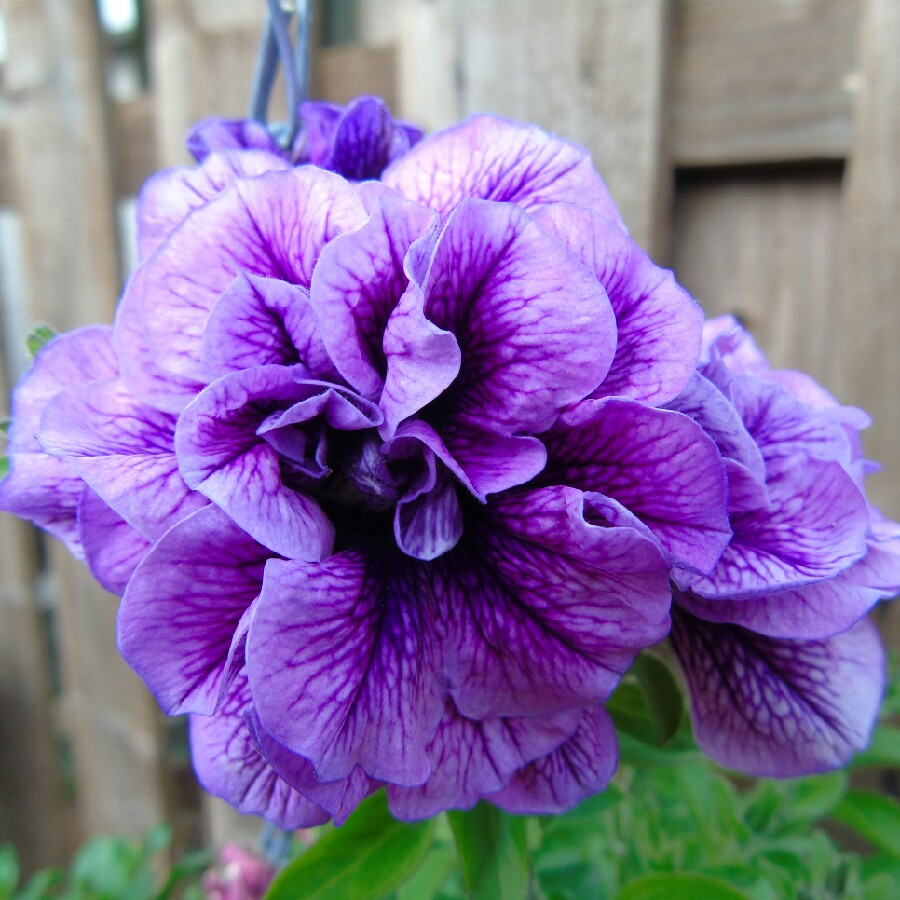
[{"x": 397, "y": 476}]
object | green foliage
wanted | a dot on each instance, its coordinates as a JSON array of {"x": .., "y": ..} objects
[
  {"x": 105, "y": 868},
  {"x": 372, "y": 855},
  {"x": 493, "y": 852},
  {"x": 671, "y": 825}
]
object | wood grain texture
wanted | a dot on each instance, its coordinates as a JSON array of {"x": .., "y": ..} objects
[
  {"x": 765, "y": 248},
  {"x": 34, "y": 814},
  {"x": 592, "y": 71},
  {"x": 59, "y": 132},
  {"x": 867, "y": 356},
  {"x": 762, "y": 81}
]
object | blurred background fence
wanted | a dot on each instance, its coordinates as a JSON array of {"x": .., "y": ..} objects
[{"x": 752, "y": 145}]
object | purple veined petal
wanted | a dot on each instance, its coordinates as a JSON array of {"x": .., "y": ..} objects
[
  {"x": 229, "y": 765},
  {"x": 367, "y": 139},
  {"x": 143, "y": 377},
  {"x": 577, "y": 769},
  {"x": 338, "y": 798},
  {"x": 484, "y": 462},
  {"x": 320, "y": 121},
  {"x": 543, "y": 612},
  {"x": 718, "y": 417},
  {"x": 659, "y": 324},
  {"x": 372, "y": 192},
  {"x": 124, "y": 450},
  {"x": 782, "y": 708},
  {"x": 364, "y": 140},
  {"x": 492, "y": 462},
  {"x": 358, "y": 281},
  {"x": 217, "y": 135},
  {"x": 428, "y": 520},
  {"x": 785, "y": 428},
  {"x": 112, "y": 548},
  {"x": 183, "y": 607},
  {"x": 534, "y": 326},
  {"x": 814, "y": 528},
  {"x": 46, "y": 491},
  {"x": 261, "y": 321},
  {"x": 69, "y": 360},
  {"x": 725, "y": 338},
  {"x": 222, "y": 451},
  {"x": 657, "y": 463},
  {"x": 496, "y": 159},
  {"x": 170, "y": 196},
  {"x": 746, "y": 492},
  {"x": 473, "y": 758},
  {"x": 342, "y": 665},
  {"x": 271, "y": 226},
  {"x": 422, "y": 361},
  {"x": 818, "y": 610},
  {"x": 810, "y": 392}
]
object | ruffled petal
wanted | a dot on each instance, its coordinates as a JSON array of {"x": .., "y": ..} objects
[
  {"x": 272, "y": 226},
  {"x": 124, "y": 450},
  {"x": 659, "y": 324},
  {"x": 229, "y": 765},
  {"x": 170, "y": 196},
  {"x": 543, "y": 612},
  {"x": 535, "y": 328},
  {"x": 581, "y": 766},
  {"x": 179, "y": 616},
  {"x": 473, "y": 758},
  {"x": 342, "y": 665},
  {"x": 496, "y": 159},
  {"x": 358, "y": 281},
  {"x": 261, "y": 321},
  {"x": 814, "y": 528},
  {"x": 112, "y": 548},
  {"x": 774, "y": 707},
  {"x": 658, "y": 464}
]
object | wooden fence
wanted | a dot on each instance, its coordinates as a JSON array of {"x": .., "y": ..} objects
[{"x": 754, "y": 145}]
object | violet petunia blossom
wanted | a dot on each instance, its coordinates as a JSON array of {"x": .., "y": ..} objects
[
  {"x": 394, "y": 476},
  {"x": 358, "y": 140},
  {"x": 785, "y": 674}
]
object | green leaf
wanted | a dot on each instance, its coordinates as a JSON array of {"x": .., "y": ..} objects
[
  {"x": 370, "y": 856},
  {"x": 493, "y": 852},
  {"x": 679, "y": 886},
  {"x": 872, "y": 816},
  {"x": 39, "y": 338},
  {"x": 38, "y": 888},
  {"x": 9, "y": 871},
  {"x": 429, "y": 877},
  {"x": 815, "y": 796},
  {"x": 662, "y": 694},
  {"x": 4, "y": 466}
]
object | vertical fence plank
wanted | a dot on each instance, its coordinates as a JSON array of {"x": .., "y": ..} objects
[
  {"x": 33, "y": 811},
  {"x": 592, "y": 71},
  {"x": 60, "y": 147},
  {"x": 866, "y": 360}
]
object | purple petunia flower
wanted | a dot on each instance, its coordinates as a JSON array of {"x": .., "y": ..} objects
[
  {"x": 785, "y": 675},
  {"x": 394, "y": 477},
  {"x": 357, "y": 141}
]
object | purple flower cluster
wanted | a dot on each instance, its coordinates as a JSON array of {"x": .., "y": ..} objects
[{"x": 397, "y": 476}]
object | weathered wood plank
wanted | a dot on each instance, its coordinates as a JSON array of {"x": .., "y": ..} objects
[
  {"x": 592, "y": 71},
  {"x": 766, "y": 248},
  {"x": 59, "y": 133},
  {"x": 764, "y": 81},
  {"x": 866, "y": 358}
]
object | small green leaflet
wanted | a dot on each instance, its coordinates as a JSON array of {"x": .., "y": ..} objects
[
  {"x": 369, "y": 857},
  {"x": 39, "y": 338}
]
